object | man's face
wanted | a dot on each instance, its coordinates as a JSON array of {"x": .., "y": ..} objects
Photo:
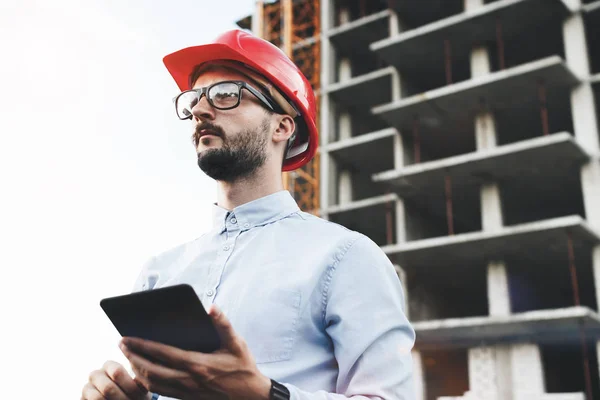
[{"x": 231, "y": 144}]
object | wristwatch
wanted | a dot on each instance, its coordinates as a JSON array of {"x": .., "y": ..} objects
[{"x": 278, "y": 391}]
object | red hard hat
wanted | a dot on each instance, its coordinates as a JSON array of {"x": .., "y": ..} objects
[{"x": 268, "y": 60}]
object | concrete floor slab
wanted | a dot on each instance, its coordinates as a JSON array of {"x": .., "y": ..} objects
[
  {"x": 551, "y": 155},
  {"x": 421, "y": 51},
  {"x": 356, "y": 36},
  {"x": 591, "y": 16},
  {"x": 417, "y": 14},
  {"x": 542, "y": 326},
  {"x": 366, "y": 216},
  {"x": 362, "y": 204},
  {"x": 592, "y": 7},
  {"x": 541, "y": 240},
  {"x": 368, "y": 152},
  {"x": 500, "y": 90},
  {"x": 368, "y": 90}
]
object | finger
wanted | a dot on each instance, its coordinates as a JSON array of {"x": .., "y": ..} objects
[
  {"x": 163, "y": 389},
  {"x": 117, "y": 373},
  {"x": 89, "y": 392},
  {"x": 229, "y": 338},
  {"x": 166, "y": 355},
  {"x": 107, "y": 388},
  {"x": 175, "y": 392},
  {"x": 150, "y": 371}
]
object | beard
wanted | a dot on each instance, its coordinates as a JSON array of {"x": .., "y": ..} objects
[{"x": 240, "y": 155}]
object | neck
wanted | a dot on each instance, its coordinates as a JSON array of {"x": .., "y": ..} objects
[{"x": 244, "y": 190}]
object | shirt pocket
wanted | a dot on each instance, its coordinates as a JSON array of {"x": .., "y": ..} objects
[{"x": 271, "y": 325}]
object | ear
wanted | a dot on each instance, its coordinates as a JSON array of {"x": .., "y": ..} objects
[{"x": 285, "y": 128}]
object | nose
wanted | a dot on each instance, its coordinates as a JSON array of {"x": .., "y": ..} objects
[{"x": 203, "y": 110}]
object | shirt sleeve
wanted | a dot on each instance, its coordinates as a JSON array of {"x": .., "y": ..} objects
[{"x": 364, "y": 316}]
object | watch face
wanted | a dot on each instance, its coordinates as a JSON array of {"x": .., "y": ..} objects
[{"x": 279, "y": 391}]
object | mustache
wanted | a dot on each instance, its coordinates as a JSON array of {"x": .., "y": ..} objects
[{"x": 215, "y": 130}]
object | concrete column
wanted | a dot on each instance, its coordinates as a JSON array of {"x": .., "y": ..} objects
[
  {"x": 399, "y": 162},
  {"x": 482, "y": 373},
  {"x": 395, "y": 25},
  {"x": 418, "y": 376},
  {"x": 344, "y": 177},
  {"x": 472, "y": 5},
  {"x": 596, "y": 268},
  {"x": 400, "y": 209},
  {"x": 399, "y": 151},
  {"x": 582, "y": 97},
  {"x": 489, "y": 367},
  {"x": 402, "y": 277},
  {"x": 584, "y": 114},
  {"x": 344, "y": 15},
  {"x": 344, "y": 126},
  {"x": 480, "y": 62},
  {"x": 331, "y": 174},
  {"x": 344, "y": 70},
  {"x": 590, "y": 182},
  {"x": 503, "y": 372},
  {"x": 491, "y": 207},
  {"x": 576, "y": 50},
  {"x": 585, "y": 124},
  {"x": 597, "y": 352},
  {"x": 400, "y": 221},
  {"x": 344, "y": 122},
  {"x": 485, "y": 124},
  {"x": 345, "y": 132},
  {"x": 345, "y": 187},
  {"x": 327, "y": 15},
  {"x": 489, "y": 373},
  {"x": 396, "y": 86},
  {"x": 527, "y": 372},
  {"x": 498, "y": 295},
  {"x": 327, "y": 121}
]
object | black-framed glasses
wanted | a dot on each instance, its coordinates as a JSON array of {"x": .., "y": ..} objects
[{"x": 223, "y": 95}]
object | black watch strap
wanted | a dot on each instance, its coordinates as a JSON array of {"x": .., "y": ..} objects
[{"x": 278, "y": 391}]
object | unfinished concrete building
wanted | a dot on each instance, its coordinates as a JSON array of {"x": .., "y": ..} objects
[{"x": 462, "y": 136}]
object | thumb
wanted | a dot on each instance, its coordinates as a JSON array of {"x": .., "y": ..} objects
[{"x": 223, "y": 326}]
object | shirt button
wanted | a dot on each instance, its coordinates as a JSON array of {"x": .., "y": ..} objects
[
  {"x": 210, "y": 293},
  {"x": 246, "y": 225},
  {"x": 233, "y": 221},
  {"x": 225, "y": 248}
]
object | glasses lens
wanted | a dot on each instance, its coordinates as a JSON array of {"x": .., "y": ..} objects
[
  {"x": 185, "y": 102},
  {"x": 224, "y": 95}
]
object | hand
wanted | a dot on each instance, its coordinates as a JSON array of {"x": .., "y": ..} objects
[
  {"x": 112, "y": 382},
  {"x": 228, "y": 373}
]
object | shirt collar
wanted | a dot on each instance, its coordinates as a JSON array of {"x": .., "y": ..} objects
[{"x": 258, "y": 212}]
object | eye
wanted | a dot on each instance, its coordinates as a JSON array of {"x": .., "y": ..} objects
[{"x": 224, "y": 95}]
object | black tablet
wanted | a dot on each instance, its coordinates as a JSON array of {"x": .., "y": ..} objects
[{"x": 171, "y": 315}]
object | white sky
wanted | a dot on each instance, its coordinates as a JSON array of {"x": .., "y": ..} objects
[{"x": 96, "y": 173}]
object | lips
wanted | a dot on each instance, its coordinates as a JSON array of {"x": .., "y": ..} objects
[
  {"x": 205, "y": 132},
  {"x": 206, "y": 129}
]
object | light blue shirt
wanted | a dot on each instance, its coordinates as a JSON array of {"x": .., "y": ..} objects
[{"x": 320, "y": 306}]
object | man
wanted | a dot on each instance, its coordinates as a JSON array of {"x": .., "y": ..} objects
[{"x": 306, "y": 308}]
